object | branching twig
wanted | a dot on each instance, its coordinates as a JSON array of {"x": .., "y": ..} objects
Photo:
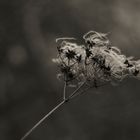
[
  {"x": 96, "y": 62},
  {"x": 53, "y": 110}
]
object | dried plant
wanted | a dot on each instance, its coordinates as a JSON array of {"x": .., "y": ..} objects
[{"x": 93, "y": 64}]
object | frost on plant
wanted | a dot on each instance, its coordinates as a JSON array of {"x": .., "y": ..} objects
[{"x": 96, "y": 62}]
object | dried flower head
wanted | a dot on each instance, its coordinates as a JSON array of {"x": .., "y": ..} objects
[
  {"x": 96, "y": 62},
  {"x": 93, "y": 64}
]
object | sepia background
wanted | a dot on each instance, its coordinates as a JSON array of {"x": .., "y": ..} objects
[{"x": 28, "y": 84}]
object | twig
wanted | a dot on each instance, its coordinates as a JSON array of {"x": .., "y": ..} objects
[
  {"x": 53, "y": 110},
  {"x": 46, "y": 116},
  {"x": 76, "y": 91},
  {"x": 64, "y": 91},
  {"x": 80, "y": 93}
]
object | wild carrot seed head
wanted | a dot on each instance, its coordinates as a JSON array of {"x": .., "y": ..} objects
[{"x": 96, "y": 62}]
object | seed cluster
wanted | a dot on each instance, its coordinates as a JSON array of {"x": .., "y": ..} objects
[{"x": 96, "y": 62}]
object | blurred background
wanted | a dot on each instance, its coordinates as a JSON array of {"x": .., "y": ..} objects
[{"x": 28, "y": 84}]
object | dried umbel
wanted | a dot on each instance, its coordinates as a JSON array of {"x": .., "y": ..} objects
[
  {"x": 96, "y": 62},
  {"x": 92, "y": 64}
]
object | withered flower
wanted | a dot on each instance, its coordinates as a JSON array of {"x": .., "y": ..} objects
[
  {"x": 93, "y": 64},
  {"x": 96, "y": 60}
]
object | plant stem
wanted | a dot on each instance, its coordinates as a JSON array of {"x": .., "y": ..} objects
[
  {"x": 46, "y": 116},
  {"x": 80, "y": 93},
  {"x": 64, "y": 92},
  {"x": 53, "y": 110},
  {"x": 70, "y": 97}
]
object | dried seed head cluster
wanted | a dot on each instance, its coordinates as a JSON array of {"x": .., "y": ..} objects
[{"x": 96, "y": 62}]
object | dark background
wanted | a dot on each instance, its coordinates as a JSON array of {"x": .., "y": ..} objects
[{"x": 28, "y": 84}]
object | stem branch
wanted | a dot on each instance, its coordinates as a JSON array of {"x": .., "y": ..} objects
[
  {"x": 53, "y": 110},
  {"x": 70, "y": 97},
  {"x": 46, "y": 116},
  {"x": 64, "y": 90}
]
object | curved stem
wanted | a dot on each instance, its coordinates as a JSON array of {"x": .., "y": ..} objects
[{"x": 46, "y": 116}]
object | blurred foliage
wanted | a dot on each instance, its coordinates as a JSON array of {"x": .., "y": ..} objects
[{"x": 28, "y": 84}]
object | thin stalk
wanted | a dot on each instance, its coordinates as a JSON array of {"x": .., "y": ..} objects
[
  {"x": 53, "y": 110},
  {"x": 46, "y": 116},
  {"x": 80, "y": 93},
  {"x": 64, "y": 90},
  {"x": 76, "y": 91},
  {"x": 65, "y": 86}
]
